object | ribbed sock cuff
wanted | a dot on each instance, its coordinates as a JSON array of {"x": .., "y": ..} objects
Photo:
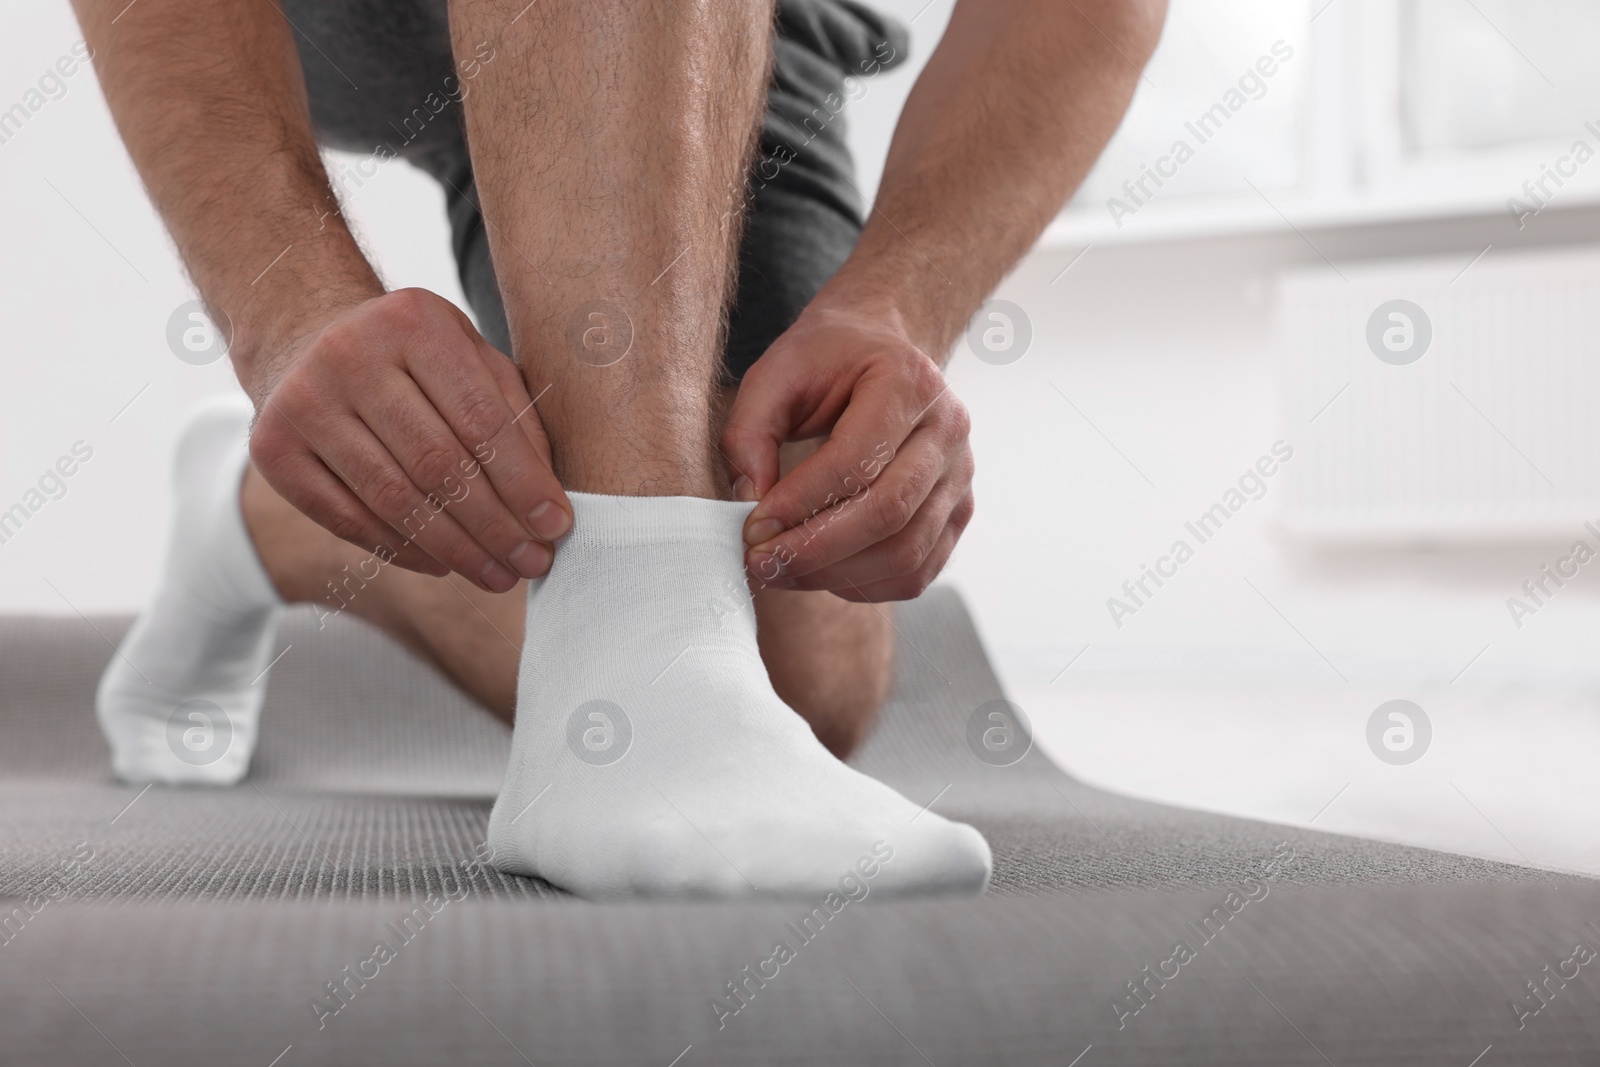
[{"x": 601, "y": 521}]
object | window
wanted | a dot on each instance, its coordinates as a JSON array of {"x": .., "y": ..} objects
[{"x": 1373, "y": 110}]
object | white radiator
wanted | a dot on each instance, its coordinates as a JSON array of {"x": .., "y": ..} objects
[{"x": 1493, "y": 433}]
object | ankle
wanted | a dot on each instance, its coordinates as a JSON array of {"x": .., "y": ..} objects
[
  {"x": 671, "y": 471},
  {"x": 649, "y": 435}
]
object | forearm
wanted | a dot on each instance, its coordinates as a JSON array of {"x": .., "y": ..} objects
[
  {"x": 210, "y": 101},
  {"x": 1005, "y": 121}
]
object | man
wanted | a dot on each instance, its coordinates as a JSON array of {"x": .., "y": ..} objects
[{"x": 645, "y": 198}]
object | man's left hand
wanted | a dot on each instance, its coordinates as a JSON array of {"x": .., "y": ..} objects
[{"x": 875, "y": 512}]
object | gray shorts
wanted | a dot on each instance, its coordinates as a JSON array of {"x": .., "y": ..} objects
[{"x": 381, "y": 79}]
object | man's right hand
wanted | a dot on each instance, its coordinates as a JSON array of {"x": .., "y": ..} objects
[
  {"x": 385, "y": 417},
  {"x": 396, "y": 426}
]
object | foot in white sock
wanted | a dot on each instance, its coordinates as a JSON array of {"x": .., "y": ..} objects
[
  {"x": 651, "y": 755},
  {"x": 180, "y": 699}
]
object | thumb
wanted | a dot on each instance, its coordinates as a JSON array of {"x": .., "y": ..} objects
[
  {"x": 515, "y": 390},
  {"x": 758, "y": 425}
]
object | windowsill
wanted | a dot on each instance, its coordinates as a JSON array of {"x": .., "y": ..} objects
[{"x": 1216, "y": 217}]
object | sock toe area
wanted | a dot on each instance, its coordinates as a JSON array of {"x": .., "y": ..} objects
[{"x": 945, "y": 858}]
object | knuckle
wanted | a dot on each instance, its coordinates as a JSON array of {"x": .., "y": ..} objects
[
  {"x": 905, "y": 557},
  {"x": 892, "y": 508},
  {"x": 499, "y": 530},
  {"x": 433, "y": 464},
  {"x": 391, "y": 495},
  {"x": 481, "y": 418},
  {"x": 406, "y": 307},
  {"x": 963, "y": 513},
  {"x": 959, "y": 419},
  {"x": 908, "y": 588},
  {"x": 926, "y": 377},
  {"x": 346, "y": 525}
]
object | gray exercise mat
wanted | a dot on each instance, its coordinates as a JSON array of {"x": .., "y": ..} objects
[{"x": 203, "y": 925}]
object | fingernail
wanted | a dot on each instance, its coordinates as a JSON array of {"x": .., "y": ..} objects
[
  {"x": 496, "y": 578},
  {"x": 530, "y": 558},
  {"x": 762, "y": 532},
  {"x": 549, "y": 521},
  {"x": 744, "y": 490}
]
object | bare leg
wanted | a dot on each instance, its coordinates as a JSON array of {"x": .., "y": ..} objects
[{"x": 613, "y": 192}]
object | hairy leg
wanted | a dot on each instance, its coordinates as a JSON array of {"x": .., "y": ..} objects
[{"x": 614, "y": 193}]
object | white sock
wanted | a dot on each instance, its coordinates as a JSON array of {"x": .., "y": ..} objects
[
  {"x": 180, "y": 699},
  {"x": 651, "y": 755}
]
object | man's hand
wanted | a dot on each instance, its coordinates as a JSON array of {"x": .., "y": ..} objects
[
  {"x": 875, "y": 512},
  {"x": 396, "y": 426},
  {"x": 385, "y": 417},
  {"x": 1010, "y": 113}
]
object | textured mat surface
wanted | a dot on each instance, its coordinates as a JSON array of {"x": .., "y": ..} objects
[{"x": 178, "y": 926}]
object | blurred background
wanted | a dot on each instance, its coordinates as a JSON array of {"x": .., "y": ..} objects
[{"x": 1359, "y": 234}]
